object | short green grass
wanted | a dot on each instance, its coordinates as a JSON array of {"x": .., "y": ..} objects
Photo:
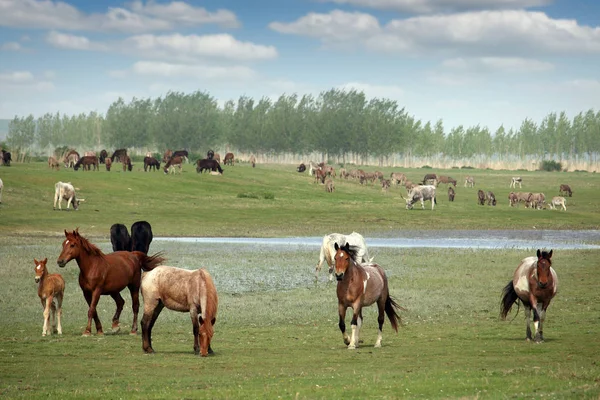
[{"x": 277, "y": 334}]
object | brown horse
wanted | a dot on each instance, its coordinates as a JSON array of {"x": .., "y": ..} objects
[
  {"x": 228, "y": 160},
  {"x": 360, "y": 285},
  {"x": 534, "y": 283},
  {"x": 51, "y": 290},
  {"x": 180, "y": 290},
  {"x": 101, "y": 274}
]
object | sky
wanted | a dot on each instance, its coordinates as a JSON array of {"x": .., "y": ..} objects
[{"x": 467, "y": 62}]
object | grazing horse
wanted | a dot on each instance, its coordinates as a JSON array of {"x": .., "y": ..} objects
[
  {"x": 491, "y": 198},
  {"x": 102, "y": 274},
  {"x": 185, "y": 291},
  {"x": 103, "y": 155},
  {"x": 514, "y": 180},
  {"x": 480, "y": 197},
  {"x": 208, "y": 165},
  {"x": 127, "y": 166},
  {"x": 86, "y": 162},
  {"x": 172, "y": 164},
  {"x": 301, "y": 168},
  {"x": 534, "y": 283},
  {"x": 51, "y": 287},
  {"x": 118, "y": 155},
  {"x": 451, "y": 193},
  {"x": 360, "y": 285},
  {"x": 469, "y": 181},
  {"x": 228, "y": 160},
  {"x": 119, "y": 237},
  {"x": 210, "y": 155},
  {"x": 564, "y": 189},
  {"x": 108, "y": 163},
  {"x": 5, "y": 157},
  {"x": 53, "y": 163},
  {"x": 558, "y": 201},
  {"x": 356, "y": 241},
  {"x": 167, "y": 156},
  {"x": 253, "y": 161},
  {"x": 141, "y": 236},
  {"x": 151, "y": 162},
  {"x": 329, "y": 186}
]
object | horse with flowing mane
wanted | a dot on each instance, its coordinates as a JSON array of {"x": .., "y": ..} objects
[
  {"x": 106, "y": 274},
  {"x": 534, "y": 284},
  {"x": 185, "y": 291},
  {"x": 327, "y": 254},
  {"x": 361, "y": 285}
]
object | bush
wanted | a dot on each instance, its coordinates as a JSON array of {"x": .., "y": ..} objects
[
  {"x": 466, "y": 167},
  {"x": 550, "y": 165},
  {"x": 426, "y": 167}
]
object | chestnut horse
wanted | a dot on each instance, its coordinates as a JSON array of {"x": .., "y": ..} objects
[
  {"x": 180, "y": 290},
  {"x": 534, "y": 283},
  {"x": 101, "y": 274},
  {"x": 51, "y": 290},
  {"x": 360, "y": 285}
]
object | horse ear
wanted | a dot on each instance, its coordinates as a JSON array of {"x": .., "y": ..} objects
[
  {"x": 66, "y": 234},
  {"x": 336, "y": 247},
  {"x": 45, "y": 260},
  {"x": 550, "y": 255},
  {"x": 539, "y": 254},
  {"x": 347, "y": 247},
  {"x": 36, "y": 262}
]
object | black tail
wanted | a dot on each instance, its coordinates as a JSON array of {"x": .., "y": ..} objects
[
  {"x": 391, "y": 309},
  {"x": 509, "y": 297}
]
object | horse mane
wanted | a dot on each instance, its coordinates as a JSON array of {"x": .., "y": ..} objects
[
  {"x": 90, "y": 248},
  {"x": 352, "y": 250},
  {"x": 545, "y": 255},
  {"x": 211, "y": 303}
]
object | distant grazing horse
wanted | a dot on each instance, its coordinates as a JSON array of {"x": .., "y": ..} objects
[
  {"x": 228, "y": 160},
  {"x": 431, "y": 179},
  {"x": 447, "y": 180},
  {"x": 329, "y": 186},
  {"x": 356, "y": 241},
  {"x": 118, "y": 155},
  {"x": 469, "y": 181},
  {"x": 480, "y": 197},
  {"x": 451, "y": 193},
  {"x": 167, "y": 156},
  {"x": 360, "y": 285},
  {"x": 119, "y": 238},
  {"x": 320, "y": 175},
  {"x": 514, "y": 180},
  {"x": 491, "y": 198},
  {"x": 101, "y": 274},
  {"x": 151, "y": 162},
  {"x": 513, "y": 199},
  {"x": 301, "y": 168},
  {"x": 185, "y": 291},
  {"x": 385, "y": 185},
  {"x": 252, "y": 161},
  {"x": 208, "y": 165},
  {"x": 86, "y": 162},
  {"x": 564, "y": 189},
  {"x": 534, "y": 283},
  {"x": 6, "y": 158},
  {"x": 210, "y": 155},
  {"x": 141, "y": 236},
  {"x": 397, "y": 178},
  {"x": 217, "y": 157},
  {"x": 108, "y": 163},
  {"x": 51, "y": 290},
  {"x": 172, "y": 164},
  {"x": 127, "y": 166},
  {"x": 558, "y": 201},
  {"x": 181, "y": 153},
  {"x": 103, "y": 155},
  {"x": 53, "y": 163}
]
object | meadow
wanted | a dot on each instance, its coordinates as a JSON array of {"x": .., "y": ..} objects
[{"x": 276, "y": 335}]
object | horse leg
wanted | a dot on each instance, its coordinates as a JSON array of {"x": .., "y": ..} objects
[
  {"x": 135, "y": 305},
  {"x": 53, "y": 315},
  {"x": 342, "y": 323},
  {"x": 355, "y": 329},
  {"x": 380, "y": 320},
  {"x": 528, "y": 321},
  {"x": 47, "y": 308},
  {"x": 59, "y": 300},
  {"x": 151, "y": 313},
  {"x": 92, "y": 299},
  {"x": 120, "y": 303},
  {"x": 196, "y": 329}
]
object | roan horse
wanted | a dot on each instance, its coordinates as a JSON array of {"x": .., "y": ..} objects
[
  {"x": 534, "y": 283},
  {"x": 101, "y": 274},
  {"x": 180, "y": 290},
  {"x": 360, "y": 285}
]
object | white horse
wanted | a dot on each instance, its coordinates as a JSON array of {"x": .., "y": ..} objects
[{"x": 355, "y": 240}]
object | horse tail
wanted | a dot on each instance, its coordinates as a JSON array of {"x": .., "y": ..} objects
[
  {"x": 391, "y": 309},
  {"x": 509, "y": 297},
  {"x": 148, "y": 263},
  {"x": 209, "y": 302}
]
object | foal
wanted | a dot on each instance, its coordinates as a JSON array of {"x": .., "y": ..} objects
[{"x": 51, "y": 286}]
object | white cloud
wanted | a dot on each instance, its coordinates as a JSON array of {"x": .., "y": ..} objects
[
  {"x": 181, "y": 12},
  {"x": 168, "y": 70},
  {"x": 140, "y": 17},
  {"x": 222, "y": 46},
  {"x": 23, "y": 80},
  {"x": 499, "y": 64},
  {"x": 11, "y": 46},
  {"x": 494, "y": 33},
  {"x": 434, "y": 6},
  {"x": 72, "y": 42},
  {"x": 17, "y": 77}
]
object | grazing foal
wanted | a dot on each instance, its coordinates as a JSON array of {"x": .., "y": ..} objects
[{"x": 51, "y": 286}]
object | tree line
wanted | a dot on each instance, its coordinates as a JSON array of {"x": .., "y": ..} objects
[{"x": 334, "y": 123}]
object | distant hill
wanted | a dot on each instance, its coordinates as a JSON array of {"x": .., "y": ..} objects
[{"x": 4, "y": 128}]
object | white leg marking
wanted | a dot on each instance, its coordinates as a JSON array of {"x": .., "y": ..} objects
[
  {"x": 352, "y": 344},
  {"x": 379, "y": 337}
]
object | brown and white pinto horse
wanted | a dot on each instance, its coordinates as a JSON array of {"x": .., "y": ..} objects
[
  {"x": 180, "y": 290},
  {"x": 360, "y": 285},
  {"x": 534, "y": 283},
  {"x": 172, "y": 164},
  {"x": 102, "y": 274}
]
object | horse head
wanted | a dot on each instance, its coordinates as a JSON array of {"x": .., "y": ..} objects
[
  {"x": 40, "y": 268},
  {"x": 543, "y": 268},
  {"x": 71, "y": 248},
  {"x": 342, "y": 259}
]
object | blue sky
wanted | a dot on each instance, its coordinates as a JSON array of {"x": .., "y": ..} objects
[{"x": 468, "y": 62}]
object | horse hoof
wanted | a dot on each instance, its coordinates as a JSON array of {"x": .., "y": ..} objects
[
  {"x": 350, "y": 347},
  {"x": 133, "y": 333},
  {"x": 43, "y": 334},
  {"x": 149, "y": 351},
  {"x": 86, "y": 334}
]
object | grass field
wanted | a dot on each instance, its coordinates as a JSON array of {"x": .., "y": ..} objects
[{"x": 276, "y": 334}]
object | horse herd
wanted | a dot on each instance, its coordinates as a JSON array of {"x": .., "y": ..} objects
[
  {"x": 426, "y": 189},
  {"x": 360, "y": 283}
]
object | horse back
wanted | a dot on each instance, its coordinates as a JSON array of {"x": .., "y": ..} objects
[
  {"x": 376, "y": 283},
  {"x": 177, "y": 288}
]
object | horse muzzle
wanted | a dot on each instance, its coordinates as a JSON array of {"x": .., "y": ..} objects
[
  {"x": 542, "y": 285},
  {"x": 37, "y": 279},
  {"x": 339, "y": 277},
  {"x": 61, "y": 263}
]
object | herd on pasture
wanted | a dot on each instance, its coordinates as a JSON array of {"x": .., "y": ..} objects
[
  {"x": 360, "y": 283},
  {"x": 426, "y": 189}
]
